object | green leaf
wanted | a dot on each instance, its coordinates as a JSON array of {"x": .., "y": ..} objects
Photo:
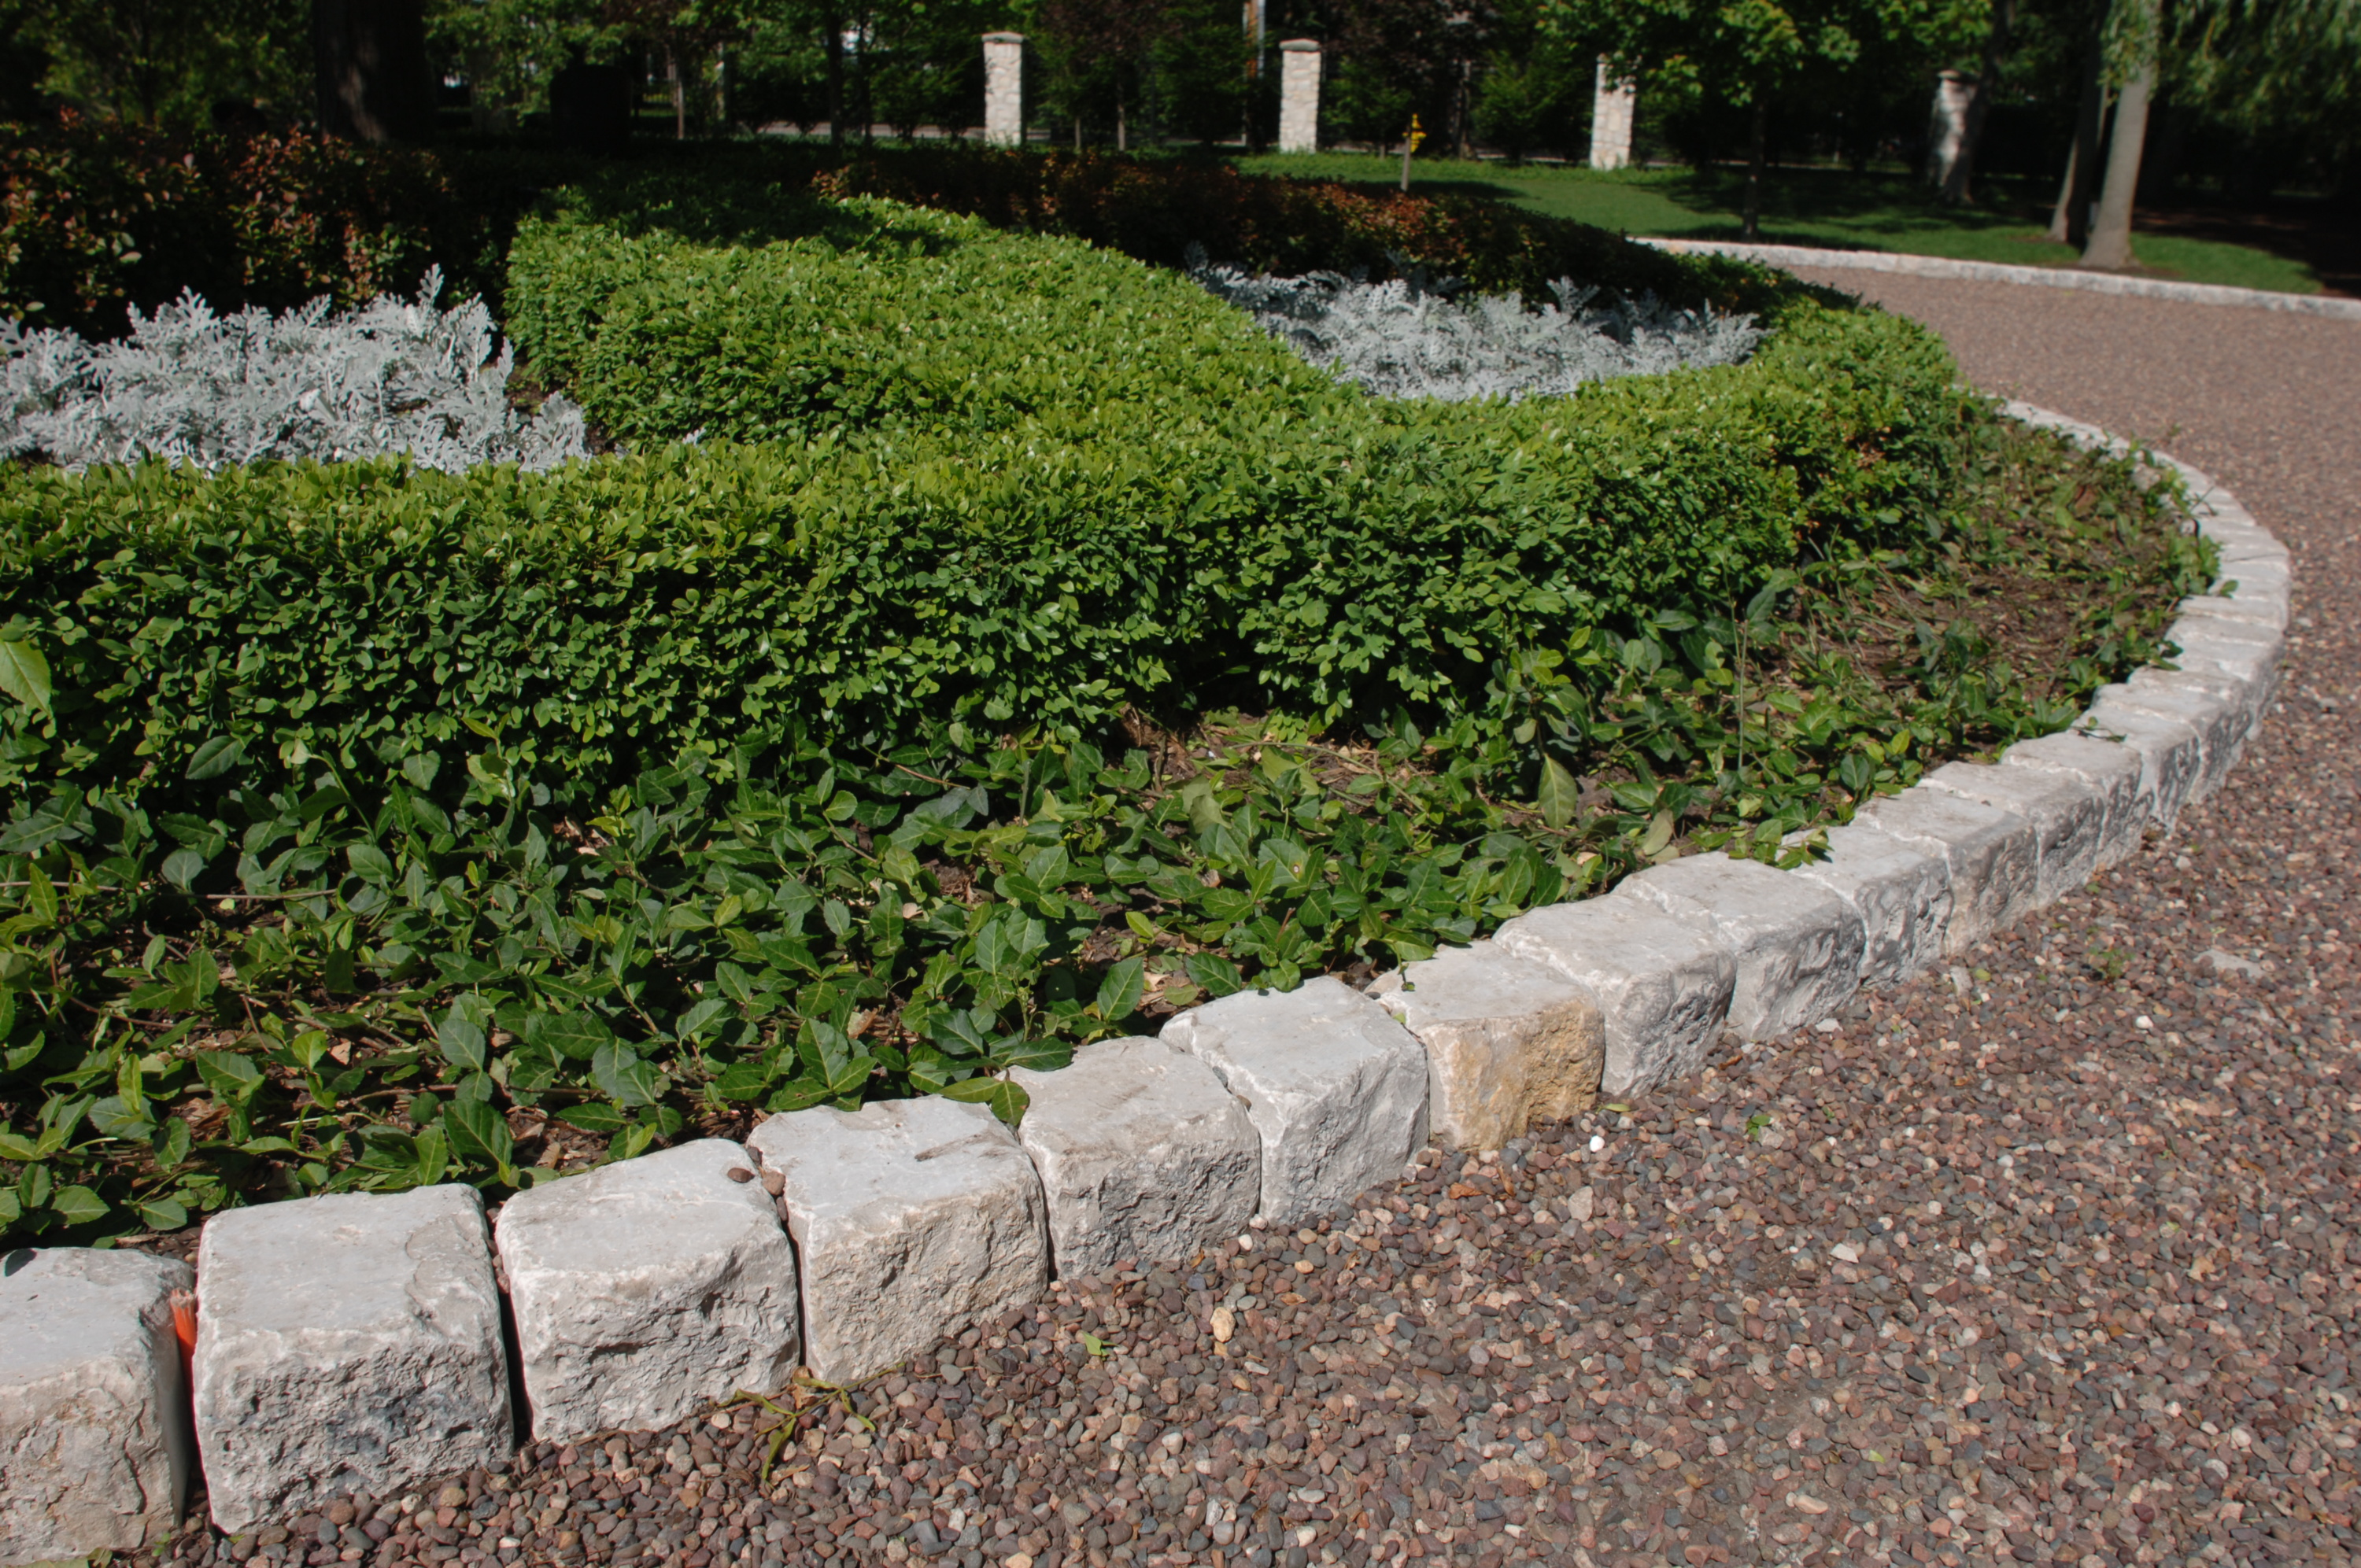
[
  {"x": 1560, "y": 797},
  {"x": 1659, "y": 835},
  {"x": 622, "y": 1076},
  {"x": 1041, "y": 1056},
  {"x": 232, "y": 1078},
  {"x": 216, "y": 757},
  {"x": 1218, "y": 975},
  {"x": 182, "y": 867},
  {"x": 433, "y": 1155},
  {"x": 1197, "y": 797},
  {"x": 77, "y": 1205},
  {"x": 574, "y": 1036},
  {"x": 463, "y": 1044},
  {"x": 1119, "y": 991},
  {"x": 745, "y": 1081},
  {"x": 594, "y": 1117},
  {"x": 1005, "y": 1099},
  {"x": 476, "y": 1126},
  {"x": 24, "y": 674},
  {"x": 163, "y": 1213}
]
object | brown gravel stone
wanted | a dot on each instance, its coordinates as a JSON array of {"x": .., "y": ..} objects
[{"x": 2052, "y": 1268}]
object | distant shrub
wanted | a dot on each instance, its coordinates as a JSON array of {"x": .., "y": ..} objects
[
  {"x": 1411, "y": 338},
  {"x": 393, "y": 377}
]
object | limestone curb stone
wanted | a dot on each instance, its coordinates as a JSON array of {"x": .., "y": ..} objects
[
  {"x": 346, "y": 1344},
  {"x": 2108, "y": 769},
  {"x": 1798, "y": 945},
  {"x": 1142, "y": 1155},
  {"x": 2069, "y": 817},
  {"x": 912, "y": 1218},
  {"x": 94, "y": 1446},
  {"x": 1994, "y": 856},
  {"x": 1509, "y": 1043},
  {"x": 2226, "y": 607},
  {"x": 1902, "y": 894},
  {"x": 2172, "y": 756},
  {"x": 647, "y": 1289},
  {"x": 2241, "y": 695},
  {"x": 2219, "y": 724},
  {"x": 1336, "y": 1087},
  {"x": 1662, "y": 983}
]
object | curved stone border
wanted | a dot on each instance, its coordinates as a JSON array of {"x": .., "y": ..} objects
[
  {"x": 356, "y": 1342},
  {"x": 1793, "y": 256}
]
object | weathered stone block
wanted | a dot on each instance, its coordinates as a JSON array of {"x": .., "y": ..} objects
[
  {"x": 912, "y": 1219},
  {"x": 1798, "y": 945},
  {"x": 94, "y": 1450},
  {"x": 647, "y": 1289},
  {"x": 1902, "y": 896},
  {"x": 2221, "y": 607},
  {"x": 2219, "y": 717},
  {"x": 1334, "y": 1086},
  {"x": 1509, "y": 1043},
  {"x": 1664, "y": 985},
  {"x": 1994, "y": 856},
  {"x": 1142, "y": 1153},
  {"x": 2068, "y": 817},
  {"x": 346, "y": 1343},
  {"x": 2172, "y": 756},
  {"x": 2108, "y": 769}
]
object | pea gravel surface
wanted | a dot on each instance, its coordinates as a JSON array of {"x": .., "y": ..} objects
[{"x": 2047, "y": 1258}]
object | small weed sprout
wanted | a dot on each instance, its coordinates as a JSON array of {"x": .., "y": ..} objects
[
  {"x": 1417, "y": 337},
  {"x": 392, "y": 376}
]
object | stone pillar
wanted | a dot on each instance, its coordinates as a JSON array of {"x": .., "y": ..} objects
[
  {"x": 1947, "y": 123},
  {"x": 1003, "y": 89},
  {"x": 1299, "y": 95},
  {"x": 1613, "y": 102}
]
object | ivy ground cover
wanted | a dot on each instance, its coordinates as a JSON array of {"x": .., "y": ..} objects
[{"x": 1023, "y": 647}]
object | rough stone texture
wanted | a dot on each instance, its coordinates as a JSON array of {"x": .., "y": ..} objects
[
  {"x": 646, "y": 1288},
  {"x": 1143, "y": 1154},
  {"x": 1798, "y": 945},
  {"x": 1336, "y": 1087},
  {"x": 1902, "y": 894},
  {"x": 2110, "y": 770},
  {"x": 1299, "y": 95},
  {"x": 95, "y": 1451},
  {"x": 2171, "y": 756},
  {"x": 912, "y": 1219},
  {"x": 1510, "y": 1044},
  {"x": 1662, "y": 984},
  {"x": 1614, "y": 105},
  {"x": 2069, "y": 817},
  {"x": 346, "y": 1343},
  {"x": 1994, "y": 856},
  {"x": 2220, "y": 724},
  {"x": 1003, "y": 89},
  {"x": 2265, "y": 618}
]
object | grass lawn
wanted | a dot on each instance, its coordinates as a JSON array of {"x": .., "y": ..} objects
[{"x": 1836, "y": 208}]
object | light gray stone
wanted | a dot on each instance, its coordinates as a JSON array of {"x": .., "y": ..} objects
[
  {"x": 2110, "y": 770},
  {"x": 2069, "y": 817},
  {"x": 912, "y": 1219},
  {"x": 2221, "y": 607},
  {"x": 1142, "y": 1153},
  {"x": 1994, "y": 856},
  {"x": 349, "y": 1343},
  {"x": 1902, "y": 896},
  {"x": 1003, "y": 89},
  {"x": 1299, "y": 95},
  {"x": 1335, "y": 1088},
  {"x": 94, "y": 1449},
  {"x": 647, "y": 1289},
  {"x": 2172, "y": 756},
  {"x": 1509, "y": 1043},
  {"x": 2220, "y": 720},
  {"x": 1664, "y": 985},
  {"x": 1798, "y": 945}
]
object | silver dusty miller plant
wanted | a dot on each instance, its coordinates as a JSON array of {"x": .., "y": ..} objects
[
  {"x": 1414, "y": 337},
  {"x": 392, "y": 376}
]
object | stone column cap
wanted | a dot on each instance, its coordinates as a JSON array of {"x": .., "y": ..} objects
[
  {"x": 1004, "y": 37},
  {"x": 1302, "y": 46}
]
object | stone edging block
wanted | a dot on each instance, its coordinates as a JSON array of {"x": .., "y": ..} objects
[
  {"x": 1508, "y": 1043},
  {"x": 1798, "y": 945},
  {"x": 912, "y": 1219},
  {"x": 1143, "y": 1156},
  {"x": 646, "y": 1290},
  {"x": 1664, "y": 985},
  {"x": 349, "y": 1343},
  {"x": 94, "y": 1449}
]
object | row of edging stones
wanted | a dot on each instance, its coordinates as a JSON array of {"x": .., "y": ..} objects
[{"x": 356, "y": 1343}]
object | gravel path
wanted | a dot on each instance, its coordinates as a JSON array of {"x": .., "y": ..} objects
[{"x": 2042, "y": 1260}]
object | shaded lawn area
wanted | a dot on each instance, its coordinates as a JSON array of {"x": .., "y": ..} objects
[{"x": 1837, "y": 208}]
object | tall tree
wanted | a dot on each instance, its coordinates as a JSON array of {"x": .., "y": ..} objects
[
  {"x": 1098, "y": 53},
  {"x": 2069, "y": 220},
  {"x": 1958, "y": 183},
  {"x": 370, "y": 61},
  {"x": 687, "y": 32},
  {"x": 2138, "y": 42}
]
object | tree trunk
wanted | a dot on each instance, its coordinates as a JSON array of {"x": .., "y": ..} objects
[
  {"x": 1122, "y": 131},
  {"x": 2111, "y": 231},
  {"x": 1757, "y": 155},
  {"x": 2070, "y": 222},
  {"x": 835, "y": 25},
  {"x": 679, "y": 95},
  {"x": 1957, "y": 185},
  {"x": 370, "y": 59}
]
